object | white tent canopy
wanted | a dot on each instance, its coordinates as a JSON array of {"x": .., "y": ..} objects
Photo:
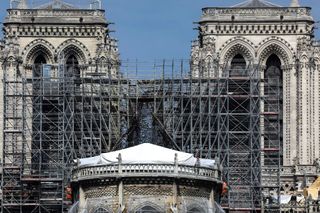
[{"x": 146, "y": 154}]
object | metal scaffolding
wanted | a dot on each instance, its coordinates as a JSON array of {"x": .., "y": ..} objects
[{"x": 66, "y": 112}]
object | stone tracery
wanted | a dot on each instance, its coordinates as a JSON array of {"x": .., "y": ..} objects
[
  {"x": 278, "y": 46},
  {"x": 75, "y": 47},
  {"x": 36, "y": 47},
  {"x": 234, "y": 47}
]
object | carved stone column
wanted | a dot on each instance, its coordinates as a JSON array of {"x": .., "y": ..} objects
[{"x": 289, "y": 113}]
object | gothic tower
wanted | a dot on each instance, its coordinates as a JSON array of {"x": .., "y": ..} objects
[
  {"x": 53, "y": 56},
  {"x": 269, "y": 36},
  {"x": 277, "y": 42}
]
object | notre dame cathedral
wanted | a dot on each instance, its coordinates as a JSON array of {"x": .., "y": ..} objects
[{"x": 250, "y": 100}]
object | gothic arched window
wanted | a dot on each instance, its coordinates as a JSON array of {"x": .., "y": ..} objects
[
  {"x": 273, "y": 69},
  {"x": 147, "y": 209},
  {"x": 72, "y": 65},
  {"x": 39, "y": 61},
  {"x": 273, "y": 80},
  {"x": 238, "y": 66}
]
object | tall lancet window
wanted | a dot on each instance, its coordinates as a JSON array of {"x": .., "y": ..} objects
[
  {"x": 238, "y": 66},
  {"x": 273, "y": 69},
  {"x": 273, "y": 80},
  {"x": 38, "y": 65},
  {"x": 72, "y": 67}
]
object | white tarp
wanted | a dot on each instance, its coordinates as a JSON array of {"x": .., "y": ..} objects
[
  {"x": 145, "y": 153},
  {"x": 284, "y": 199}
]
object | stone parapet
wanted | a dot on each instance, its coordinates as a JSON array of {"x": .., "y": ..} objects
[
  {"x": 146, "y": 170},
  {"x": 215, "y": 13},
  {"x": 52, "y": 16}
]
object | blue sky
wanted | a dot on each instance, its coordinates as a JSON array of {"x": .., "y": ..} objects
[{"x": 162, "y": 29}]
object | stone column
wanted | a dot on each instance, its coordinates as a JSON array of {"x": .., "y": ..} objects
[
  {"x": 289, "y": 113},
  {"x": 121, "y": 206},
  {"x": 303, "y": 140},
  {"x": 316, "y": 109},
  {"x": 82, "y": 199},
  {"x": 174, "y": 205},
  {"x": 211, "y": 202}
]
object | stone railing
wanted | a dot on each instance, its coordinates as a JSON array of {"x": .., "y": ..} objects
[
  {"x": 146, "y": 170},
  {"x": 285, "y": 11},
  {"x": 299, "y": 170},
  {"x": 55, "y": 13},
  {"x": 290, "y": 170}
]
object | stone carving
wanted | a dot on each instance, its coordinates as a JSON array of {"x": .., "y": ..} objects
[
  {"x": 38, "y": 46},
  {"x": 76, "y": 47}
]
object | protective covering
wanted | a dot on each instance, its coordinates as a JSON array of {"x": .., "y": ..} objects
[
  {"x": 146, "y": 153},
  {"x": 284, "y": 199}
]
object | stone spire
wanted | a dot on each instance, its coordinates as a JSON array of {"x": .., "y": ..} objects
[
  {"x": 22, "y": 4},
  {"x": 295, "y": 3}
]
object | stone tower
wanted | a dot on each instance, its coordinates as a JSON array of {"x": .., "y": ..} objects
[
  {"x": 264, "y": 30},
  {"x": 50, "y": 32},
  {"x": 277, "y": 42},
  {"x": 47, "y": 50}
]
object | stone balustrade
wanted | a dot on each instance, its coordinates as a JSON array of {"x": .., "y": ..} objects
[
  {"x": 146, "y": 170},
  {"x": 285, "y": 11},
  {"x": 299, "y": 170},
  {"x": 55, "y": 13},
  {"x": 289, "y": 170}
]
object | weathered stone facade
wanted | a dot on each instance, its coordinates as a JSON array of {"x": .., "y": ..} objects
[
  {"x": 256, "y": 33},
  {"x": 260, "y": 35},
  {"x": 44, "y": 46},
  {"x": 47, "y": 36}
]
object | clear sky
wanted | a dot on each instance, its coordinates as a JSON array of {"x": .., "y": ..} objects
[{"x": 162, "y": 29}]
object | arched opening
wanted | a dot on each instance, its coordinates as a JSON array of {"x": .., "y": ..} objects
[
  {"x": 43, "y": 111},
  {"x": 273, "y": 68},
  {"x": 104, "y": 66},
  {"x": 238, "y": 66},
  {"x": 209, "y": 67},
  {"x": 273, "y": 88},
  {"x": 147, "y": 209},
  {"x": 72, "y": 67},
  {"x": 39, "y": 61},
  {"x": 101, "y": 210}
]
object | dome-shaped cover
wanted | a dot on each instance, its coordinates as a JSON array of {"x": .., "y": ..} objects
[
  {"x": 256, "y": 3},
  {"x": 146, "y": 154}
]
